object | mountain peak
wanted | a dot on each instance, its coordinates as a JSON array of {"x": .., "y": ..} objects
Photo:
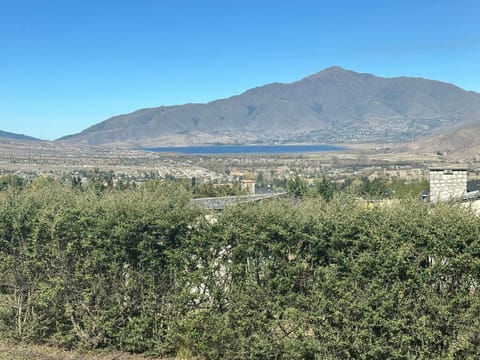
[
  {"x": 334, "y": 69},
  {"x": 331, "y": 71}
]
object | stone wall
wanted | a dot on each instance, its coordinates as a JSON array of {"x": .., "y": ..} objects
[{"x": 447, "y": 184}]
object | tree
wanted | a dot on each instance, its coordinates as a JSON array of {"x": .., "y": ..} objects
[
  {"x": 296, "y": 187},
  {"x": 12, "y": 181},
  {"x": 325, "y": 188}
]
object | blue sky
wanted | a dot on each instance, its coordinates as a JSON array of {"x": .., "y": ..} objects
[{"x": 68, "y": 64}]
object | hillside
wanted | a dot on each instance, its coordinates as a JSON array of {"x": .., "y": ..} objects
[
  {"x": 458, "y": 144},
  {"x": 334, "y": 105},
  {"x": 13, "y": 136}
]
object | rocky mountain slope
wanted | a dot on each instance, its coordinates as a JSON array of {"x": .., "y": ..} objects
[{"x": 334, "y": 105}]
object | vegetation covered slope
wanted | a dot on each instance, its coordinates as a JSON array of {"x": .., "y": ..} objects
[{"x": 140, "y": 270}]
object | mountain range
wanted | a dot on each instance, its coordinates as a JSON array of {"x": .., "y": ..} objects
[{"x": 332, "y": 106}]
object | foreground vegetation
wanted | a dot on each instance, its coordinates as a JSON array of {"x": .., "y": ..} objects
[
  {"x": 141, "y": 270},
  {"x": 17, "y": 351}
]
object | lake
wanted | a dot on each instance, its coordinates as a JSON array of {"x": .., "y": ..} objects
[{"x": 246, "y": 149}]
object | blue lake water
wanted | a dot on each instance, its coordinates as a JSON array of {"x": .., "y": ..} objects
[{"x": 246, "y": 149}]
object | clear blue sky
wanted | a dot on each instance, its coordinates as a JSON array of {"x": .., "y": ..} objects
[{"x": 68, "y": 64}]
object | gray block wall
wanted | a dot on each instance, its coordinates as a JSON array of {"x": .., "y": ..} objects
[{"x": 447, "y": 184}]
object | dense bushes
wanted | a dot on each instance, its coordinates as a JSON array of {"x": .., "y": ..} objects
[
  {"x": 141, "y": 270},
  {"x": 90, "y": 269}
]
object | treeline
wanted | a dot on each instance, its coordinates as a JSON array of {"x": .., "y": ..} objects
[
  {"x": 371, "y": 189},
  {"x": 142, "y": 270}
]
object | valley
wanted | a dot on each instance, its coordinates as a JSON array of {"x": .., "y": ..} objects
[{"x": 63, "y": 160}]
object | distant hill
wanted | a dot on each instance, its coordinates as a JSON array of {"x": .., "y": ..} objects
[
  {"x": 332, "y": 106},
  {"x": 12, "y": 136},
  {"x": 458, "y": 144}
]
